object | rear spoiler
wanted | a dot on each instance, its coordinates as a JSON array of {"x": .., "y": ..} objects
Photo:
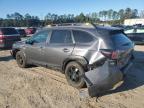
[
  {"x": 116, "y": 31},
  {"x": 108, "y": 30}
]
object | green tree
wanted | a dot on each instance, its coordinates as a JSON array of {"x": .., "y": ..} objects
[
  {"x": 128, "y": 13},
  {"x": 27, "y": 16},
  {"x": 110, "y": 13},
  {"x": 142, "y": 14},
  {"x": 121, "y": 13},
  {"x": 115, "y": 15},
  {"x": 80, "y": 18},
  {"x": 134, "y": 13},
  {"x": 94, "y": 17},
  {"x": 105, "y": 13}
]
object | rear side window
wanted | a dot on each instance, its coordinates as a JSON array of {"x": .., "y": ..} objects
[
  {"x": 120, "y": 39},
  {"x": 9, "y": 31},
  {"x": 82, "y": 37},
  {"x": 61, "y": 36}
]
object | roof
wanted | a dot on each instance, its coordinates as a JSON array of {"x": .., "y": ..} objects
[
  {"x": 88, "y": 26},
  {"x": 71, "y": 25}
]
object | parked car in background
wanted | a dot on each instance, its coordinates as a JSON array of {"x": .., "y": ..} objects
[
  {"x": 87, "y": 54},
  {"x": 119, "y": 26},
  {"x": 22, "y": 32},
  {"x": 30, "y": 31},
  {"x": 8, "y": 36},
  {"x": 136, "y": 34}
]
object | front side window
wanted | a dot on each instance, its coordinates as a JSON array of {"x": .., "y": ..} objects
[
  {"x": 61, "y": 36},
  {"x": 82, "y": 37},
  {"x": 40, "y": 37}
]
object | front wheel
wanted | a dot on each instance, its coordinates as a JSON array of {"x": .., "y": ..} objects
[
  {"x": 21, "y": 61},
  {"x": 73, "y": 73}
]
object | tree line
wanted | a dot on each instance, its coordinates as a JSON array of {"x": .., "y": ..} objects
[{"x": 106, "y": 16}]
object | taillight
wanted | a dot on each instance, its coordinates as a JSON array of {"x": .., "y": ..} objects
[
  {"x": 115, "y": 55},
  {"x": 110, "y": 54}
]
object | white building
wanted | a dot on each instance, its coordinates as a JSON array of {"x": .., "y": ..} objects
[{"x": 134, "y": 21}]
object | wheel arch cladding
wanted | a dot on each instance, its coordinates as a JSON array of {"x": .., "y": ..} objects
[
  {"x": 14, "y": 52},
  {"x": 81, "y": 60}
]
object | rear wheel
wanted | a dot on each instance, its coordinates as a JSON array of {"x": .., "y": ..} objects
[
  {"x": 21, "y": 60},
  {"x": 73, "y": 73}
]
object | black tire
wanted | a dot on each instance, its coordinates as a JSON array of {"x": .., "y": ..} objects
[
  {"x": 73, "y": 73},
  {"x": 21, "y": 60}
]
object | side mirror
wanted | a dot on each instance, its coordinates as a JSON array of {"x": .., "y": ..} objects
[{"x": 29, "y": 41}]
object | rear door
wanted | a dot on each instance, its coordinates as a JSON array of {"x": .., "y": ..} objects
[
  {"x": 59, "y": 47},
  {"x": 10, "y": 36}
]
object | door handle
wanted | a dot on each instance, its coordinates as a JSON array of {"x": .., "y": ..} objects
[{"x": 66, "y": 50}]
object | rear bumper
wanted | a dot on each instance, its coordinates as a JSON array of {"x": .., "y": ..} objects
[{"x": 103, "y": 78}]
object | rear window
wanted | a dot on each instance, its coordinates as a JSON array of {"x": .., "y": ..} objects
[
  {"x": 120, "y": 39},
  {"x": 9, "y": 31}
]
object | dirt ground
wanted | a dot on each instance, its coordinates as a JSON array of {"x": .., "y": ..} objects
[{"x": 38, "y": 87}]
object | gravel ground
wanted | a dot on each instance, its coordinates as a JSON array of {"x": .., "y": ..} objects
[{"x": 38, "y": 87}]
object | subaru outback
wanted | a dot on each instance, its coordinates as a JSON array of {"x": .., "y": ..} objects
[{"x": 86, "y": 53}]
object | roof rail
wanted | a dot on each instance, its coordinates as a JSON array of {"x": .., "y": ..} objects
[{"x": 73, "y": 24}]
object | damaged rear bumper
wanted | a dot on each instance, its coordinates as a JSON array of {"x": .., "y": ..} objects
[{"x": 102, "y": 78}]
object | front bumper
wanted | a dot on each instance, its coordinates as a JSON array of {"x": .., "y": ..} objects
[
  {"x": 12, "y": 53},
  {"x": 102, "y": 78}
]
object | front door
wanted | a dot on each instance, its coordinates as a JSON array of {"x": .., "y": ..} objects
[{"x": 35, "y": 46}]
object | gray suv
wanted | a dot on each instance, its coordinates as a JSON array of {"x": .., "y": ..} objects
[{"x": 78, "y": 50}]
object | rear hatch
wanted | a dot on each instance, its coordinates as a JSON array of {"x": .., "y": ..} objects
[
  {"x": 123, "y": 48},
  {"x": 118, "y": 48},
  {"x": 10, "y": 35}
]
